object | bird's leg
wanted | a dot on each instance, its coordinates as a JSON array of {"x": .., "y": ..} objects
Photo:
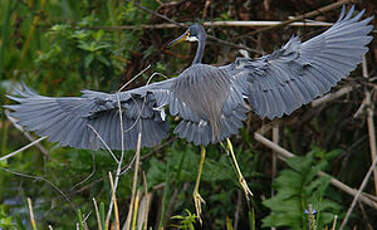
[
  {"x": 196, "y": 196},
  {"x": 241, "y": 179}
]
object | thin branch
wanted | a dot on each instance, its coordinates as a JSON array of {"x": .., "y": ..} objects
[
  {"x": 238, "y": 207},
  {"x": 358, "y": 194},
  {"x": 27, "y": 134},
  {"x": 361, "y": 109},
  {"x": 31, "y": 214},
  {"x": 120, "y": 162},
  {"x": 275, "y": 139},
  {"x": 185, "y": 26},
  {"x": 22, "y": 149},
  {"x": 113, "y": 195},
  {"x": 128, "y": 166},
  {"x": 90, "y": 175},
  {"x": 97, "y": 214},
  {"x": 104, "y": 143},
  {"x": 331, "y": 96},
  {"x": 314, "y": 13},
  {"x": 147, "y": 199},
  {"x": 135, "y": 210},
  {"x": 44, "y": 180},
  {"x": 149, "y": 11},
  {"x": 251, "y": 24},
  {"x": 134, "y": 78},
  {"x": 134, "y": 183},
  {"x": 334, "y": 222},
  {"x": 370, "y": 123}
]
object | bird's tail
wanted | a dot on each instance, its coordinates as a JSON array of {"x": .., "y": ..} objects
[{"x": 202, "y": 133}]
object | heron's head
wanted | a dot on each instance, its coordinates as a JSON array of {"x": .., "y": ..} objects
[{"x": 194, "y": 33}]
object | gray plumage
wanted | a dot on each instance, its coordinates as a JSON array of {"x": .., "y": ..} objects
[{"x": 210, "y": 100}]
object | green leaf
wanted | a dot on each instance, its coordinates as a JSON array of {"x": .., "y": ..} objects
[
  {"x": 89, "y": 60},
  {"x": 103, "y": 60},
  {"x": 296, "y": 188}
]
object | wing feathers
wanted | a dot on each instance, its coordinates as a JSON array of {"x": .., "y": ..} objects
[
  {"x": 283, "y": 81},
  {"x": 66, "y": 120}
]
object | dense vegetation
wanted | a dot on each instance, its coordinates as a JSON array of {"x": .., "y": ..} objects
[{"x": 60, "y": 47}]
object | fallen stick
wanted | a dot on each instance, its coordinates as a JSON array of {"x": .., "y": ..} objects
[{"x": 213, "y": 24}]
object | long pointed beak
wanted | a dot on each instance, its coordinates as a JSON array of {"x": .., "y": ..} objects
[{"x": 180, "y": 39}]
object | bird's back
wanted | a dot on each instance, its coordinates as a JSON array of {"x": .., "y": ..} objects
[{"x": 204, "y": 89}]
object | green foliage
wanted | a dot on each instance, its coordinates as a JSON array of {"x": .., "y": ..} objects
[
  {"x": 185, "y": 222},
  {"x": 298, "y": 187},
  {"x": 183, "y": 165},
  {"x": 6, "y": 222}
]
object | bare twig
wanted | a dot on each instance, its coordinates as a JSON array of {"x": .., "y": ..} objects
[
  {"x": 27, "y": 134},
  {"x": 358, "y": 194},
  {"x": 275, "y": 147},
  {"x": 370, "y": 123},
  {"x": 90, "y": 175},
  {"x": 120, "y": 162},
  {"x": 361, "y": 109},
  {"x": 146, "y": 202},
  {"x": 136, "y": 210},
  {"x": 22, "y": 149},
  {"x": 85, "y": 218},
  {"x": 250, "y": 24},
  {"x": 275, "y": 139},
  {"x": 113, "y": 195},
  {"x": 205, "y": 10},
  {"x": 126, "y": 168},
  {"x": 283, "y": 154},
  {"x": 185, "y": 26},
  {"x": 134, "y": 78},
  {"x": 237, "y": 212},
  {"x": 97, "y": 214},
  {"x": 307, "y": 23},
  {"x": 42, "y": 179},
  {"x": 304, "y": 16},
  {"x": 31, "y": 214},
  {"x": 104, "y": 143},
  {"x": 334, "y": 222},
  {"x": 149, "y": 11},
  {"x": 134, "y": 183},
  {"x": 331, "y": 96}
]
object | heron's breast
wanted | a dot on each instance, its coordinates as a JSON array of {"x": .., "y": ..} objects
[{"x": 204, "y": 89}]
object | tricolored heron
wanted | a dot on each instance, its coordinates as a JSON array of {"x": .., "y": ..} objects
[{"x": 210, "y": 100}]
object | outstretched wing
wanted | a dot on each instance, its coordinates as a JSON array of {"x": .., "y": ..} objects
[
  {"x": 68, "y": 120},
  {"x": 294, "y": 75}
]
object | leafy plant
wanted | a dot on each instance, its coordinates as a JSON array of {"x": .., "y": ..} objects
[
  {"x": 5, "y": 220},
  {"x": 186, "y": 222},
  {"x": 298, "y": 187}
]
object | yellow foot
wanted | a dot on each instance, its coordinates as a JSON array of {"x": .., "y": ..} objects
[
  {"x": 198, "y": 200},
  {"x": 245, "y": 188}
]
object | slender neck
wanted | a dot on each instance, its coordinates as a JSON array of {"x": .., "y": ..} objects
[{"x": 199, "y": 50}]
